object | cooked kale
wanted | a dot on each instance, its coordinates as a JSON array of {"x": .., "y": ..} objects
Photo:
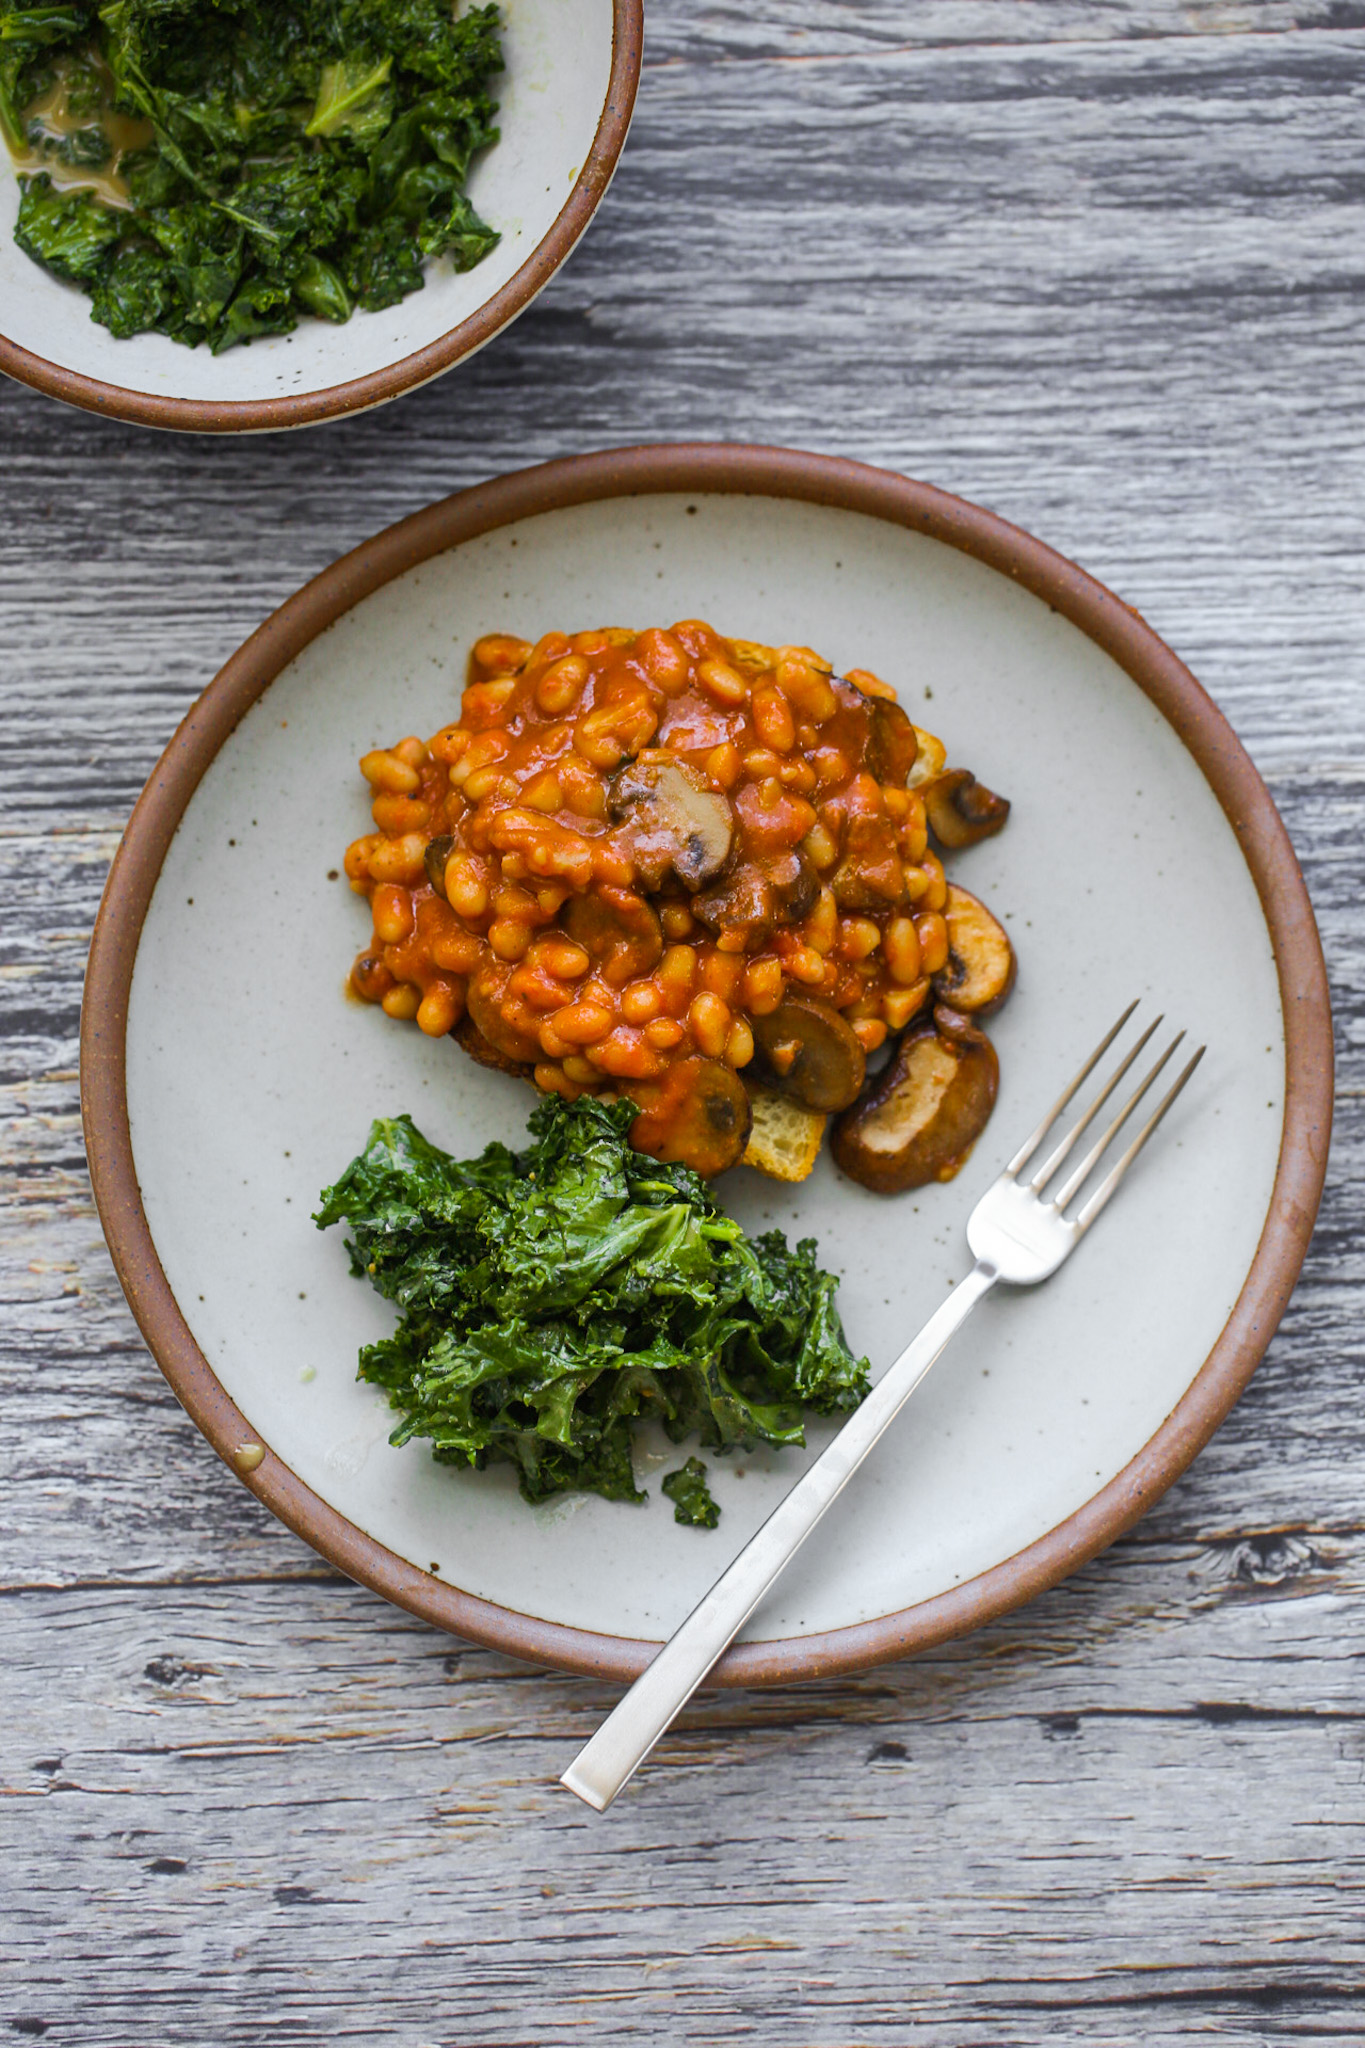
[
  {"x": 691, "y": 1496},
  {"x": 294, "y": 156},
  {"x": 550, "y": 1298}
]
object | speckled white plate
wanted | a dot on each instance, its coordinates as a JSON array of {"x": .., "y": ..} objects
[
  {"x": 250, "y": 1079},
  {"x": 565, "y": 103}
]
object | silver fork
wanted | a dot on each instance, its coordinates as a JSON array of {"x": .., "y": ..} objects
[{"x": 1016, "y": 1236}]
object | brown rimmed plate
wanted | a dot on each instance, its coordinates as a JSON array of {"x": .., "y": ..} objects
[
  {"x": 565, "y": 103},
  {"x": 225, "y": 1077}
]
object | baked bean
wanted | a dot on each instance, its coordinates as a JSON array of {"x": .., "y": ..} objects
[
  {"x": 722, "y": 682},
  {"x": 804, "y": 964},
  {"x": 709, "y": 1021},
  {"x": 395, "y": 815},
  {"x": 932, "y": 931},
  {"x": 870, "y": 685},
  {"x": 831, "y": 767},
  {"x": 465, "y": 886},
  {"x": 914, "y": 829},
  {"x": 820, "y": 847},
  {"x": 664, "y": 1033},
  {"x": 723, "y": 765},
  {"x": 676, "y": 974},
  {"x": 583, "y": 1023},
  {"x": 402, "y": 1001},
  {"x": 483, "y": 704},
  {"x": 936, "y": 895},
  {"x": 663, "y": 660},
  {"x": 580, "y": 1070},
  {"x": 357, "y": 861},
  {"x": 677, "y": 921},
  {"x": 384, "y": 769},
  {"x": 459, "y": 952},
  {"x": 563, "y": 957},
  {"x": 822, "y": 926},
  {"x": 773, "y": 717},
  {"x": 901, "y": 945},
  {"x": 859, "y": 938},
  {"x": 641, "y": 1002},
  {"x": 739, "y": 1045},
  {"x": 764, "y": 985},
  {"x": 798, "y": 775},
  {"x": 533, "y": 985},
  {"x": 508, "y": 938},
  {"x": 762, "y": 762},
  {"x": 498, "y": 653},
  {"x": 805, "y": 689},
  {"x": 439, "y": 1010},
  {"x": 411, "y": 751},
  {"x": 583, "y": 791},
  {"x": 370, "y": 978},
  {"x": 561, "y": 686},
  {"x": 399, "y": 860},
  {"x": 392, "y": 910}
]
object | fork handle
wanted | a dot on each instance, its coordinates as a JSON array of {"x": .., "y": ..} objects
[{"x": 661, "y": 1691}]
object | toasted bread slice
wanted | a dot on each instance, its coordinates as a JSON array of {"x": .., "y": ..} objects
[{"x": 786, "y": 1136}]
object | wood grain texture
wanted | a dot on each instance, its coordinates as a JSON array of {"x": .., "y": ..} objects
[{"x": 1095, "y": 266}]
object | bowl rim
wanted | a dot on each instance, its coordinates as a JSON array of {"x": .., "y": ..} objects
[
  {"x": 377, "y": 387},
  {"x": 846, "y": 485}
]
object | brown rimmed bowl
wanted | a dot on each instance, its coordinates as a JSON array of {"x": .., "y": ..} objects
[
  {"x": 565, "y": 104},
  {"x": 225, "y": 1079}
]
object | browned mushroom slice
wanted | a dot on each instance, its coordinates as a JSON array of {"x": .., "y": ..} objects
[
  {"x": 980, "y": 970},
  {"x": 515, "y": 1052},
  {"x": 698, "y": 1114},
  {"x": 870, "y": 876},
  {"x": 674, "y": 820},
  {"x": 808, "y": 1050},
  {"x": 618, "y": 929},
  {"x": 920, "y": 1117},
  {"x": 962, "y": 810},
  {"x": 435, "y": 857},
  {"x": 892, "y": 748},
  {"x": 760, "y": 895}
]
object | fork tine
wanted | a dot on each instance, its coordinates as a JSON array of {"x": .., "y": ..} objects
[
  {"x": 1116, "y": 1172},
  {"x": 1030, "y": 1145},
  {"x": 1082, "y": 1172},
  {"x": 1054, "y": 1159}
]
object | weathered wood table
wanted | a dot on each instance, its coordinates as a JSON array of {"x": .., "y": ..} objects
[{"x": 1100, "y": 267}]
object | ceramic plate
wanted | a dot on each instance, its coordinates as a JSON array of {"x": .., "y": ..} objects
[
  {"x": 1142, "y": 858},
  {"x": 565, "y": 103}
]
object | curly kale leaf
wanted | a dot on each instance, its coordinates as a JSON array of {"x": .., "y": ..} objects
[
  {"x": 306, "y": 156},
  {"x": 691, "y": 1496},
  {"x": 549, "y": 1299}
]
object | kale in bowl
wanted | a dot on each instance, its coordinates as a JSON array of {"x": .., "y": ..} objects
[{"x": 212, "y": 169}]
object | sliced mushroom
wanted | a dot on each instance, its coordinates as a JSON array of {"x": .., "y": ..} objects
[
  {"x": 808, "y": 1050},
  {"x": 437, "y": 854},
  {"x": 962, "y": 810},
  {"x": 486, "y": 1034},
  {"x": 871, "y": 875},
  {"x": 698, "y": 1114},
  {"x": 980, "y": 970},
  {"x": 618, "y": 929},
  {"x": 920, "y": 1117},
  {"x": 760, "y": 895},
  {"x": 674, "y": 820},
  {"x": 892, "y": 747}
]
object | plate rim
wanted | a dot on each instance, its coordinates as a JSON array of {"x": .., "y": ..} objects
[
  {"x": 377, "y": 387},
  {"x": 718, "y": 467}
]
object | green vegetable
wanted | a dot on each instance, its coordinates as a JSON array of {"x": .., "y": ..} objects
[
  {"x": 691, "y": 1496},
  {"x": 552, "y": 1297},
  {"x": 305, "y": 156}
]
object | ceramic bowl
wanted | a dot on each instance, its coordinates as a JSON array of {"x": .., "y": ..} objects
[
  {"x": 565, "y": 99},
  {"x": 226, "y": 1078}
]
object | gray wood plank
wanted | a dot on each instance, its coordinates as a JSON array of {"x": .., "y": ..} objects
[{"x": 1095, "y": 266}]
